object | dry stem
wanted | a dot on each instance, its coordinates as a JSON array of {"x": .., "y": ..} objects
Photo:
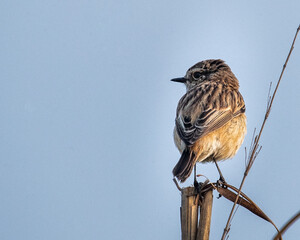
[{"x": 254, "y": 149}]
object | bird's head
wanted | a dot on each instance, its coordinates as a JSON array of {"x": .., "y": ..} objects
[{"x": 208, "y": 70}]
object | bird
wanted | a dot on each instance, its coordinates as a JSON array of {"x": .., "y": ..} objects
[{"x": 210, "y": 123}]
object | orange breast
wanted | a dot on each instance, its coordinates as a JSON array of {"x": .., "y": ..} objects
[{"x": 220, "y": 144}]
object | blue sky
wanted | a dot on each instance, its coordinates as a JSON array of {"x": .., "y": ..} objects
[{"x": 88, "y": 113}]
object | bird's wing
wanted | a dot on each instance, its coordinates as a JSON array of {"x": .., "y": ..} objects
[{"x": 203, "y": 110}]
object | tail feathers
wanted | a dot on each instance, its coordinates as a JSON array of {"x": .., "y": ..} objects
[{"x": 184, "y": 167}]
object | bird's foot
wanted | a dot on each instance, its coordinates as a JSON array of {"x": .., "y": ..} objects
[
  {"x": 197, "y": 184},
  {"x": 221, "y": 180}
]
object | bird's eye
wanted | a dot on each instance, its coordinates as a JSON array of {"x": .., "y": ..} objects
[{"x": 196, "y": 75}]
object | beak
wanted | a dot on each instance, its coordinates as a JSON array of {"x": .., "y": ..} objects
[{"x": 181, "y": 80}]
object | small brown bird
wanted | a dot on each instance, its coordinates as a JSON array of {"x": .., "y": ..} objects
[{"x": 210, "y": 122}]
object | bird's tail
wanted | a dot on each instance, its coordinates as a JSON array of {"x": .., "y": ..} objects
[{"x": 184, "y": 167}]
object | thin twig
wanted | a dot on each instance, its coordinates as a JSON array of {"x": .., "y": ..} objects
[
  {"x": 252, "y": 144},
  {"x": 269, "y": 97},
  {"x": 287, "y": 225},
  {"x": 177, "y": 185},
  {"x": 254, "y": 153}
]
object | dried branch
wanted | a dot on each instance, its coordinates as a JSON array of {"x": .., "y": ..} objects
[
  {"x": 229, "y": 192},
  {"x": 254, "y": 149}
]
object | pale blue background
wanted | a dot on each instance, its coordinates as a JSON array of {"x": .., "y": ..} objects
[{"x": 87, "y": 114}]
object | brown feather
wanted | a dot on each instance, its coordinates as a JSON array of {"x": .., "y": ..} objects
[{"x": 209, "y": 116}]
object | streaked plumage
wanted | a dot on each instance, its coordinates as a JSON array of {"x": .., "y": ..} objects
[{"x": 210, "y": 120}]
